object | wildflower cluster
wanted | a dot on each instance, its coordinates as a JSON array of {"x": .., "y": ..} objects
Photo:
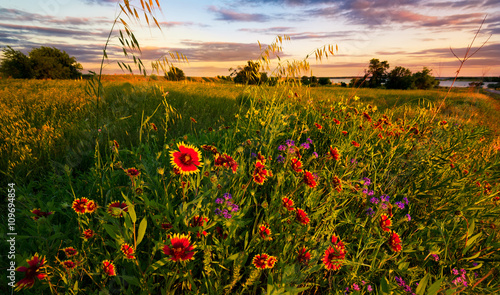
[
  {"x": 403, "y": 285},
  {"x": 263, "y": 261},
  {"x": 225, "y": 206},
  {"x": 334, "y": 256}
]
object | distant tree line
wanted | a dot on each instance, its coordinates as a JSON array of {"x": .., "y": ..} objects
[
  {"x": 378, "y": 75},
  {"x": 40, "y": 63}
]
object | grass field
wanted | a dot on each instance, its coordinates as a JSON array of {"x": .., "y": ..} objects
[{"x": 209, "y": 188}]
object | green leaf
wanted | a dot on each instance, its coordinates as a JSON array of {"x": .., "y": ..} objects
[
  {"x": 384, "y": 286},
  {"x": 470, "y": 243},
  {"x": 434, "y": 288},
  {"x": 142, "y": 230},
  {"x": 131, "y": 280},
  {"x": 422, "y": 284},
  {"x": 159, "y": 264}
]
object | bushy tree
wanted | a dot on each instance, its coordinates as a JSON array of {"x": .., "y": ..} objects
[
  {"x": 423, "y": 79},
  {"x": 399, "y": 78},
  {"x": 15, "y": 64},
  {"x": 52, "y": 63},
  {"x": 305, "y": 80},
  {"x": 324, "y": 81},
  {"x": 175, "y": 74},
  {"x": 377, "y": 71},
  {"x": 249, "y": 74}
]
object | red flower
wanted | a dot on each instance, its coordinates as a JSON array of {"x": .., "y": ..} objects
[
  {"x": 80, "y": 205},
  {"x": 296, "y": 165},
  {"x": 88, "y": 233},
  {"x": 153, "y": 127},
  {"x": 271, "y": 261},
  {"x": 385, "y": 222},
  {"x": 367, "y": 117},
  {"x": 301, "y": 216},
  {"x": 91, "y": 207},
  {"x": 333, "y": 154},
  {"x": 309, "y": 179},
  {"x": 180, "y": 248},
  {"x": 303, "y": 256},
  {"x": 260, "y": 173},
  {"x": 70, "y": 251},
  {"x": 336, "y": 121},
  {"x": 198, "y": 221},
  {"x": 318, "y": 126},
  {"x": 344, "y": 133},
  {"x": 166, "y": 225},
  {"x": 109, "y": 268},
  {"x": 354, "y": 143},
  {"x": 132, "y": 172},
  {"x": 334, "y": 257},
  {"x": 260, "y": 260},
  {"x": 337, "y": 241},
  {"x": 116, "y": 208},
  {"x": 210, "y": 148},
  {"x": 265, "y": 232},
  {"x": 187, "y": 159},
  {"x": 337, "y": 184},
  {"x": 288, "y": 203},
  {"x": 32, "y": 272},
  {"x": 395, "y": 242},
  {"x": 128, "y": 251},
  {"x": 68, "y": 264},
  {"x": 39, "y": 214},
  {"x": 226, "y": 161}
]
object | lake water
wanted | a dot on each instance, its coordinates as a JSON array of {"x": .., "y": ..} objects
[{"x": 442, "y": 83}]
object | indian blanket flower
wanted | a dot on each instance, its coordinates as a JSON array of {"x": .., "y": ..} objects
[
  {"x": 116, "y": 209},
  {"x": 334, "y": 257},
  {"x": 288, "y": 203},
  {"x": 309, "y": 179},
  {"x": 333, "y": 154},
  {"x": 127, "y": 250},
  {"x": 80, "y": 205},
  {"x": 180, "y": 248},
  {"x": 40, "y": 213},
  {"x": 337, "y": 184},
  {"x": 88, "y": 233},
  {"x": 265, "y": 232},
  {"x": 297, "y": 165},
  {"x": 303, "y": 256},
  {"x": 260, "y": 173},
  {"x": 271, "y": 261},
  {"x": 70, "y": 251},
  {"x": 385, "y": 222},
  {"x": 187, "y": 159},
  {"x": 225, "y": 161},
  {"x": 260, "y": 260},
  {"x": 354, "y": 143},
  {"x": 395, "y": 242},
  {"x": 68, "y": 264},
  {"x": 109, "y": 268},
  {"x": 301, "y": 216},
  {"x": 198, "y": 221},
  {"x": 318, "y": 126},
  {"x": 91, "y": 207},
  {"x": 34, "y": 271},
  {"x": 132, "y": 172}
]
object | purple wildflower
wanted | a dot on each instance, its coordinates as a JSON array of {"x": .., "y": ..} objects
[
  {"x": 435, "y": 256},
  {"x": 370, "y": 193},
  {"x": 309, "y": 140},
  {"x": 400, "y": 205},
  {"x": 366, "y": 181},
  {"x": 369, "y": 288},
  {"x": 374, "y": 200},
  {"x": 305, "y": 145},
  {"x": 281, "y": 148},
  {"x": 315, "y": 154},
  {"x": 408, "y": 216},
  {"x": 227, "y": 196},
  {"x": 290, "y": 142},
  {"x": 280, "y": 159},
  {"x": 385, "y": 198},
  {"x": 405, "y": 199},
  {"x": 219, "y": 201},
  {"x": 355, "y": 287},
  {"x": 369, "y": 212}
]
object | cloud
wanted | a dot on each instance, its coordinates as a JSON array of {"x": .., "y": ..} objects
[
  {"x": 231, "y": 15},
  {"x": 16, "y": 15},
  {"x": 272, "y": 30},
  {"x": 48, "y": 31}
]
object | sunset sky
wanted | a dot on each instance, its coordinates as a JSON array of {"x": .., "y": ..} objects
[{"x": 218, "y": 35}]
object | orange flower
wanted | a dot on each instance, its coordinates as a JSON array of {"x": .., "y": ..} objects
[
  {"x": 260, "y": 173},
  {"x": 395, "y": 242},
  {"x": 334, "y": 257},
  {"x": 109, "y": 268},
  {"x": 91, "y": 207},
  {"x": 301, "y": 216},
  {"x": 309, "y": 179},
  {"x": 70, "y": 251},
  {"x": 116, "y": 209},
  {"x": 187, "y": 159},
  {"x": 385, "y": 222},
  {"x": 296, "y": 165},
  {"x": 288, "y": 203},
  {"x": 265, "y": 232},
  {"x": 80, "y": 205},
  {"x": 354, "y": 143},
  {"x": 32, "y": 272},
  {"x": 260, "y": 260},
  {"x": 180, "y": 248},
  {"x": 68, "y": 264},
  {"x": 88, "y": 233},
  {"x": 333, "y": 154},
  {"x": 128, "y": 251}
]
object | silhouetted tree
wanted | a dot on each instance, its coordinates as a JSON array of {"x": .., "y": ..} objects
[
  {"x": 423, "y": 79},
  {"x": 399, "y": 78},
  {"x": 377, "y": 71},
  {"x": 15, "y": 64},
  {"x": 249, "y": 74},
  {"x": 175, "y": 74},
  {"x": 324, "y": 81},
  {"x": 52, "y": 63}
]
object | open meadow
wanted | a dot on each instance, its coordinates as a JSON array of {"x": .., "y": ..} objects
[{"x": 215, "y": 188}]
